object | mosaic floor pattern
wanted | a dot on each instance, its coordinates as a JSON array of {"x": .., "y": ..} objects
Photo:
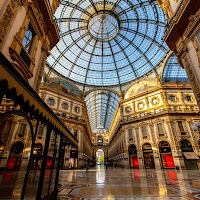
[{"x": 129, "y": 184}]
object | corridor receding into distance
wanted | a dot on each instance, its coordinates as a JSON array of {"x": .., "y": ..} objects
[{"x": 99, "y": 99}]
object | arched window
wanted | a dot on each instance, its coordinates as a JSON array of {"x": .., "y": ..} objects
[{"x": 17, "y": 148}]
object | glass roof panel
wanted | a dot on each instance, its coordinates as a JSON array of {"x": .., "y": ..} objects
[
  {"x": 101, "y": 107},
  {"x": 173, "y": 72},
  {"x": 110, "y": 42}
]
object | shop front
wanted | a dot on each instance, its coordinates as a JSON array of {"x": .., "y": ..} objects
[
  {"x": 190, "y": 157},
  {"x": 148, "y": 156},
  {"x": 36, "y": 157},
  {"x": 166, "y": 155},
  {"x": 133, "y": 156},
  {"x": 14, "y": 159},
  {"x": 73, "y": 160}
]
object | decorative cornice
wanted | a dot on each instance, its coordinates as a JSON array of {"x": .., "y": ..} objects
[{"x": 180, "y": 22}]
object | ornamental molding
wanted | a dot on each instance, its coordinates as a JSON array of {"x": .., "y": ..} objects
[
  {"x": 7, "y": 18},
  {"x": 175, "y": 19},
  {"x": 21, "y": 66},
  {"x": 55, "y": 5},
  {"x": 193, "y": 24},
  {"x": 192, "y": 78},
  {"x": 166, "y": 6},
  {"x": 37, "y": 20}
]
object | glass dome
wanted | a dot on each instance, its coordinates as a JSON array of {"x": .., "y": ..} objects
[{"x": 110, "y": 42}]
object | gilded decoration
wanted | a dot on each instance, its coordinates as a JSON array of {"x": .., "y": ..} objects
[
  {"x": 140, "y": 87},
  {"x": 166, "y": 6},
  {"x": 55, "y": 5}
]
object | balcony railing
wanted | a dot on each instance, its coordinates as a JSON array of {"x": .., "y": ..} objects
[{"x": 70, "y": 117}]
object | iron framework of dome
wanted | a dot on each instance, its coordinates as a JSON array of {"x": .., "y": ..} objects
[{"x": 110, "y": 42}]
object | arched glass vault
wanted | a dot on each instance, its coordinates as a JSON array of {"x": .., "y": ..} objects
[
  {"x": 110, "y": 42},
  {"x": 173, "y": 72},
  {"x": 101, "y": 107}
]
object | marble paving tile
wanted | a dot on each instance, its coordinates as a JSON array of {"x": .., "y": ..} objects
[{"x": 130, "y": 184}]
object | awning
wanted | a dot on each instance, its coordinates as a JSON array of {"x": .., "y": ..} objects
[{"x": 191, "y": 155}]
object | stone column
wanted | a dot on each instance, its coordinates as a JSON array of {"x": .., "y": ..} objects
[
  {"x": 156, "y": 153},
  {"x": 175, "y": 147},
  {"x": 125, "y": 150},
  {"x": 182, "y": 100},
  {"x": 192, "y": 78},
  {"x": 45, "y": 50},
  {"x": 139, "y": 150}
]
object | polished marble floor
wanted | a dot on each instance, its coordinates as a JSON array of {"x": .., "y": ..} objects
[
  {"x": 100, "y": 183},
  {"x": 129, "y": 184}
]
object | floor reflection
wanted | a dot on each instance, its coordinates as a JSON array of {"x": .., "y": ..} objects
[
  {"x": 11, "y": 183},
  {"x": 100, "y": 175},
  {"x": 108, "y": 183},
  {"x": 117, "y": 183}
]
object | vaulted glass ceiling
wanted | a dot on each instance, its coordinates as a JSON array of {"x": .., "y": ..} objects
[
  {"x": 101, "y": 106},
  {"x": 109, "y": 42},
  {"x": 173, "y": 72}
]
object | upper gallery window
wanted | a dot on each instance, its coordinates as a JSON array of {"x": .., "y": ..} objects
[
  {"x": 75, "y": 133},
  {"x": 173, "y": 98},
  {"x": 144, "y": 132},
  {"x": 128, "y": 109},
  {"x": 181, "y": 128},
  {"x": 130, "y": 133},
  {"x": 77, "y": 109},
  {"x": 64, "y": 105},
  {"x": 189, "y": 98},
  {"x": 140, "y": 105},
  {"x": 40, "y": 132},
  {"x": 160, "y": 129},
  {"x": 50, "y": 101},
  {"x": 28, "y": 38},
  {"x": 155, "y": 101},
  {"x": 22, "y": 130}
]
